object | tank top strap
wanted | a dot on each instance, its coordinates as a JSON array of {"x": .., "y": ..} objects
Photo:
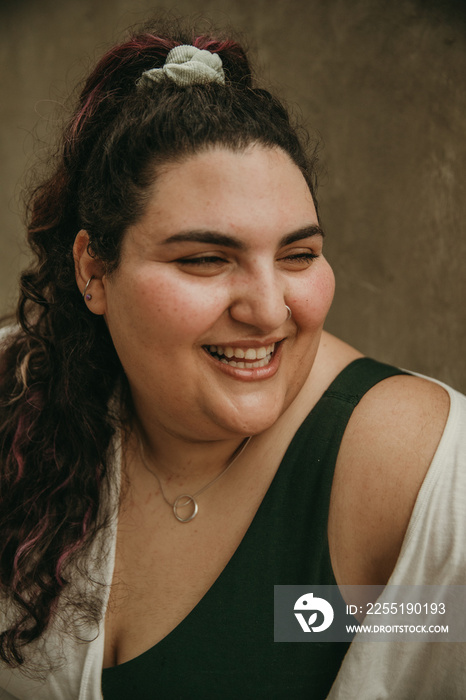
[
  {"x": 325, "y": 425},
  {"x": 357, "y": 378},
  {"x": 323, "y": 428}
]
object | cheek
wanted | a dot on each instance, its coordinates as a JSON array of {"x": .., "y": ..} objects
[
  {"x": 312, "y": 301},
  {"x": 164, "y": 307}
]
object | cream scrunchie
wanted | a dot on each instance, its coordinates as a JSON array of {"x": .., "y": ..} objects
[{"x": 186, "y": 65}]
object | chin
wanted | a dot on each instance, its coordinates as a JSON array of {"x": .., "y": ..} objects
[{"x": 251, "y": 422}]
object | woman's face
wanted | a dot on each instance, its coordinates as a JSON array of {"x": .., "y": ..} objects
[{"x": 196, "y": 308}]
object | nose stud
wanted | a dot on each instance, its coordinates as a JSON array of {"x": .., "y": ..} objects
[{"x": 289, "y": 312}]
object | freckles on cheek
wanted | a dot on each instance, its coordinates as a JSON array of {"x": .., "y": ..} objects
[
  {"x": 181, "y": 309},
  {"x": 328, "y": 292},
  {"x": 315, "y": 305},
  {"x": 325, "y": 290}
]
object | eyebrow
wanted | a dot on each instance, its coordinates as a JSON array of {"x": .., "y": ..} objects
[{"x": 216, "y": 238}]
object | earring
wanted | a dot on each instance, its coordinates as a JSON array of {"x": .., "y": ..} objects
[
  {"x": 289, "y": 312},
  {"x": 87, "y": 297}
]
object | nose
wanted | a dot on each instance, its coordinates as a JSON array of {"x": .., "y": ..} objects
[{"x": 258, "y": 299}]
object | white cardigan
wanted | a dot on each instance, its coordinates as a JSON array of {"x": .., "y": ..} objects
[{"x": 370, "y": 671}]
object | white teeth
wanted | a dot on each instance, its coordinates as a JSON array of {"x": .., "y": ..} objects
[
  {"x": 239, "y": 353},
  {"x": 259, "y": 356},
  {"x": 247, "y": 365}
]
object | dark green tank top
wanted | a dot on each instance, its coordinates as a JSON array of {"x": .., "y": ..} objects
[{"x": 224, "y": 648}]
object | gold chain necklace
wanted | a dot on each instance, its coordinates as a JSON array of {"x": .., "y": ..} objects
[{"x": 185, "y": 499}]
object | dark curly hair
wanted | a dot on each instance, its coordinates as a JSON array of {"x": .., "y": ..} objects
[{"x": 59, "y": 369}]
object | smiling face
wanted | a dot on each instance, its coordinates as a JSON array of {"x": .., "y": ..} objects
[{"x": 196, "y": 308}]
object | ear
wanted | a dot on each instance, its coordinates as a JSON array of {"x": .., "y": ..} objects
[{"x": 88, "y": 268}]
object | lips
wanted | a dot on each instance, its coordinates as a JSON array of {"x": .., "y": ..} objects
[{"x": 244, "y": 358}]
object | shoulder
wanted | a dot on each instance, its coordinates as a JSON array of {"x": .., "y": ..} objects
[
  {"x": 404, "y": 410},
  {"x": 386, "y": 452}
]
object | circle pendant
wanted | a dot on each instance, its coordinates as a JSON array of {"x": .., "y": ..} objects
[{"x": 187, "y": 500}]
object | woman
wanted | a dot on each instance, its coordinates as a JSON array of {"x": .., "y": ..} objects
[{"x": 179, "y": 434}]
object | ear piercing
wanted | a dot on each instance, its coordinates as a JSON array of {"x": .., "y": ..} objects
[
  {"x": 288, "y": 309},
  {"x": 88, "y": 296}
]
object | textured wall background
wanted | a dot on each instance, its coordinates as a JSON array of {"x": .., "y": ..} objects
[{"x": 383, "y": 84}]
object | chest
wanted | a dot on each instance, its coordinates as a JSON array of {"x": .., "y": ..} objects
[
  {"x": 198, "y": 598},
  {"x": 193, "y": 624},
  {"x": 163, "y": 568}
]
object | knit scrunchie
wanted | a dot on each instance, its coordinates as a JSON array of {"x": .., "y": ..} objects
[{"x": 187, "y": 65}]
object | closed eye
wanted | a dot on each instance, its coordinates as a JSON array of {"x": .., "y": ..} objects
[
  {"x": 203, "y": 260},
  {"x": 301, "y": 256},
  {"x": 298, "y": 261}
]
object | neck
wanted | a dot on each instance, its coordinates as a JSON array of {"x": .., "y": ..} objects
[{"x": 180, "y": 460}]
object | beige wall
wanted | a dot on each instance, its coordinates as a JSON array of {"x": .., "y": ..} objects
[{"x": 383, "y": 83}]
